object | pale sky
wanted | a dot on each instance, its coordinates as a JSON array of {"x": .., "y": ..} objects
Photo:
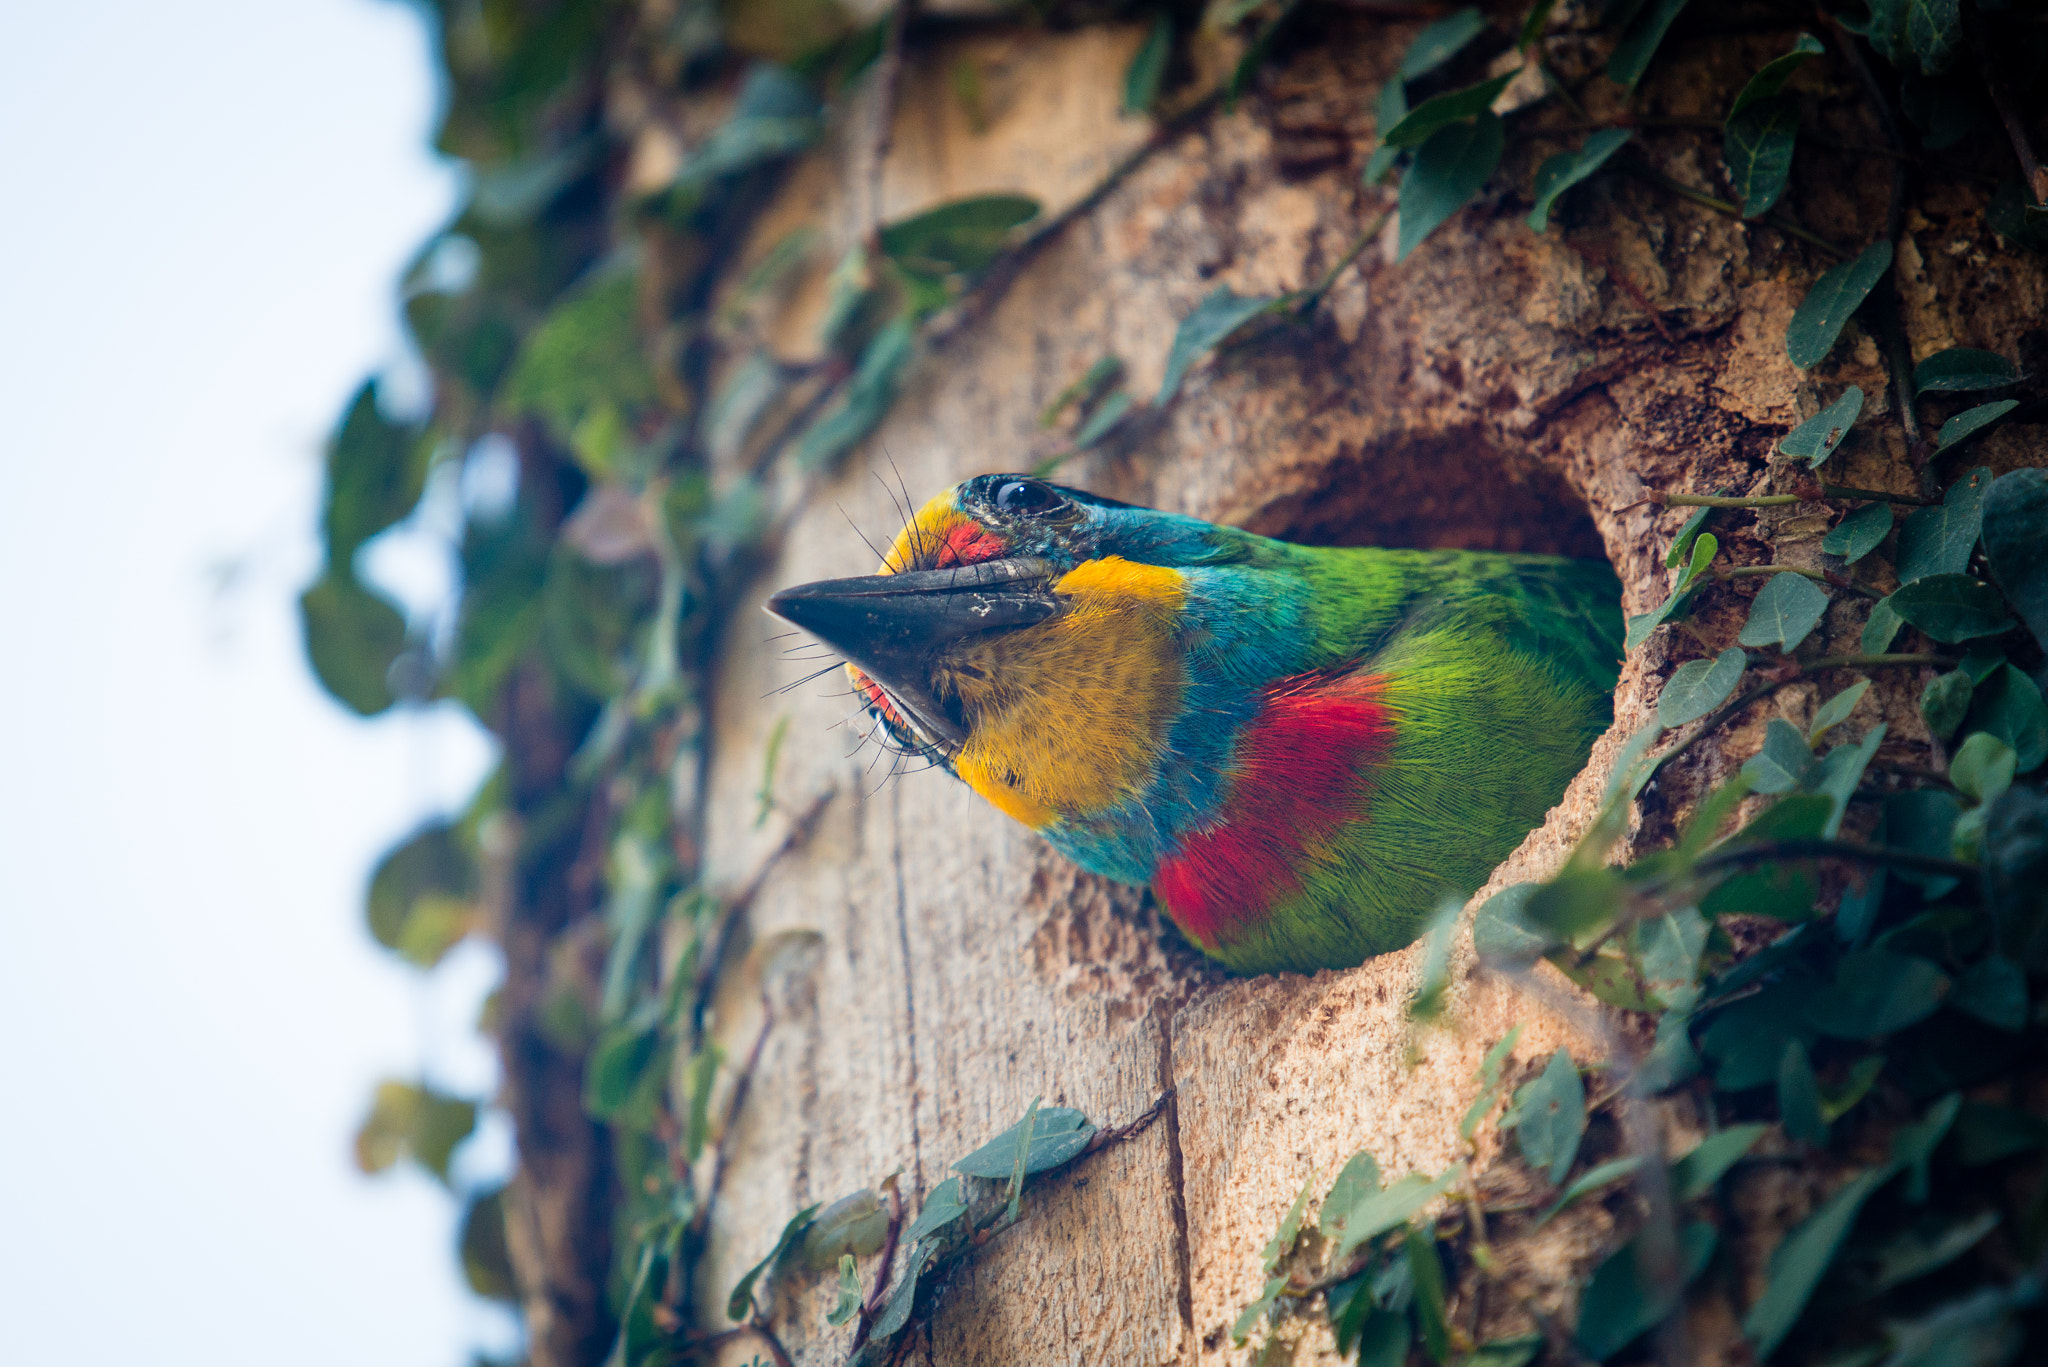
[{"x": 207, "y": 205}]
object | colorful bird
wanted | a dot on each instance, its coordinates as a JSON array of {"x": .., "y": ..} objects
[{"x": 1300, "y": 749}]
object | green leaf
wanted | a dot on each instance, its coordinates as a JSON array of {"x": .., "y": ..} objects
[
  {"x": 1801, "y": 1260},
  {"x": 1639, "y": 43},
  {"x": 1785, "y": 612},
  {"x": 1988, "y": 1134},
  {"x": 1944, "y": 702},
  {"x": 1922, "y": 820},
  {"x": 2008, "y": 705},
  {"x": 1785, "y": 892},
  {"x": 1057, "y": 1136},
  {"x": 1448, "y": 170},
  {"x": 1550, "y": 1116},
  {"x": 1667, "y": 951},
  {"x": 1882, "y": 626},
  {"x": 353, "y": 637},
  {"x": 1256, "y": 52},
  {"x": 1681, "y": 545},
  {"x": 1700, "y": 686},
  {"x": 1148, "y": 68},
  {"x": 1836, "y": 710},
  {"x": 1993, "y": 990},
  {"x": 1377, "y": 1212},
  {"x": 1915, "y": 1252},
  {"x": 1799, "y": 816},
  {"x": 1672, "y": 1058},
  {"x": 1836, "y": 1102},
  {"x": 1534, "y": 23},
  {"x": 2016, "y": 543},
  {"x": 1561, "y": 172},
  {"x": 422, "y": 898},
  {"x": 1103, "y": 420},
  {"x": 1951, "y": 607},
  {"x": 622, "y": 1072},
  {"x": 1359, "y": 1179},
  {"x": 703, "y": 1073},
  {"x": 1913, "y": 1145},
  {"x": 1799, "y": 1097},
  {"x": 849, "y": 1293},
  {"x": 1440, "y": 42},
  {"x": 1836, "y": 776},
  {"x": 866, "y": 401},
  {"x": 1201, "y": 332},
  {"x": 1098, "y": 377},
  {"x": 1819, "y": 319},
  {"x": 1502, "y": 934},
  {"x": 1875, "y": 993},
  {"x": 375, "y": 471},
  {"x": 413, "y": 1120},
  {"x": 1489, "y": 1081},
  {"x": 775, "y": 116},
  {"x": 959, "y": 237},
  {"x": 1623, "y": 1301},
  {"x": 1431, "y": 1306},
  {"x": 486, "y": 1259},
  {"x": 1782, "y": 763},
  {"x": 1391, "y": 109},
  {"x": 1576, "y": 903},
  {"x": 1383, "y": 1336},
  {"x": 1704, "y": 548},
  {"x": 1591, "y": 1180},
  {"x": 1439, "y": 112},
  {"x": 1284, "y": 1238},
  {"x": 1771, "y": 79},
  {"x": 1970, "y": 422},
  {"x": 1433, "y": 983},
  {"x": 895, "y": 1312},
  {"x": 585, "y": 366},
  {"x": 1983, "y": 767},
  {"x": 1694, "y": 1175},
  {"x": 1934, "y": 30},
  {"x": 1981, "y": 661},
  {"x": 1939, "y": 540},
  {"x": 1860, "y": 533},
  {"x": 941, "y": 1209},
  {"x": 1960, "y": 369},
  {"x": 1814, "y": 440},
  {"x": 1757, "y": 144}
]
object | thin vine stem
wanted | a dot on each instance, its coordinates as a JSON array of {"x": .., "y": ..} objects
[
  {"x": 1806, "y": 670},
  {"x": 1722, "y": 206},
  {"x": 1817, "y": 576}
]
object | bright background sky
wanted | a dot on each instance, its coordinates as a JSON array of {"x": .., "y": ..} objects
[{"x": 208, "y": 204}]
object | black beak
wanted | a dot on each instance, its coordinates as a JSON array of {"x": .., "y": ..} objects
[{"x": 891, "y": 625}]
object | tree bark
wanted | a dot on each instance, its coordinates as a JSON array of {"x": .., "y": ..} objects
[{"x": 932, "y": 967}]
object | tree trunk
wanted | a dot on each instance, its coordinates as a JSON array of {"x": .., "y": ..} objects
[
  {"x": 910, "y": 969},
  {"x": 934, "y": 967}
]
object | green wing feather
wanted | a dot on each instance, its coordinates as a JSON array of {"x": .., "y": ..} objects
[{"x": 1500, "y": 672}]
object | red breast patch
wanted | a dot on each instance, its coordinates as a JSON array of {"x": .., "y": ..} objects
[{"x": 1301, "y": 773}]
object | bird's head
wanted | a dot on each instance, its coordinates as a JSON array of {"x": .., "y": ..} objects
[{"x": 1025, "y": 635}]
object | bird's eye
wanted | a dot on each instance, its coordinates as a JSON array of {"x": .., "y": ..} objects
[{"x": 1027, "y": 496}]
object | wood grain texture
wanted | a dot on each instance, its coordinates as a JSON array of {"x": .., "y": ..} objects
[{"x": 936, "y": 968}]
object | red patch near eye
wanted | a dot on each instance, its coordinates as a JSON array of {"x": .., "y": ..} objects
[
  {"x": 1302, "y": 772},
  {"x": 970, "y": 543}
]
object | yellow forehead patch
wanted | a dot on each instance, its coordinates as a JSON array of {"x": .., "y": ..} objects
[{"x": 918, "y": 544}]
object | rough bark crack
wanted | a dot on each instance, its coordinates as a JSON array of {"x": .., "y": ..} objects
[
  {"x": 1178, "y": 1196},
  {"x": 909, "y": 991}
]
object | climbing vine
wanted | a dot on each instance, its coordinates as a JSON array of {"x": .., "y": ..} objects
[{"x": 590, "y": 336}]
